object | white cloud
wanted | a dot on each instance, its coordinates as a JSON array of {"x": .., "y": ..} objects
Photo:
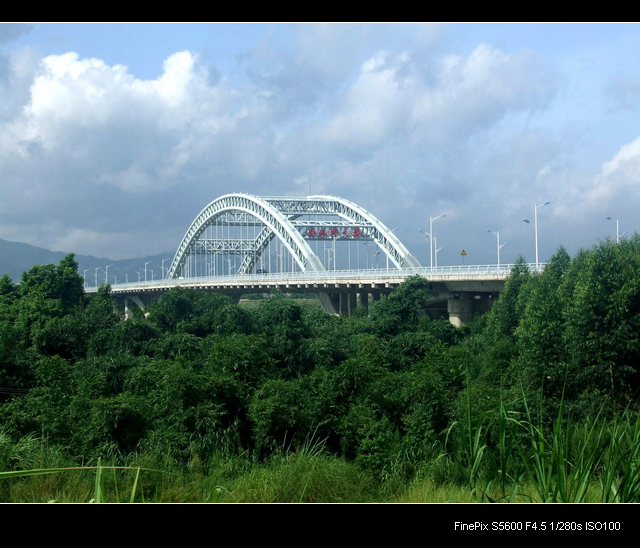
[
  {"x": 398, "y": 126},
  {"x": 120, "y": 130},
  {"x": 373, "y": 107},
  {"x": 624, "y": 165},
  {"x": 617, "y": 186},
  {"x": 474, "y": 92},
  {"x": 393, "y": 95}
]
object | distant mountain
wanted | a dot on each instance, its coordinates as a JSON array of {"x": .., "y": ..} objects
[{"x": 16, "y": 258}]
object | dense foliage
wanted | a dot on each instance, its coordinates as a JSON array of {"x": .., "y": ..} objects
[{"x": 392, "y": 391}]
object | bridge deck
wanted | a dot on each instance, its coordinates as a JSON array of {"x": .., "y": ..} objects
[{"x": 327, "y": 279}]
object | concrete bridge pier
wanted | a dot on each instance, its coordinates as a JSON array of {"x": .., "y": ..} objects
[
  {"x": 328, "y": 302},
  {"x": 129, "y": 302},
  {"x": 352, "y": 302},
  {"x": 342, "y": 303},
  {"x": 364, "y": 300},
  {"x": 463, "y": 306},
  {"x": 460, "y": 308}
]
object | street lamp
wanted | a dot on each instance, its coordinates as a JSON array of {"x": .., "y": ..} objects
[
  {"x": 106, "y": 274},
  {"x": 365, "y": 243},
  {"x": 499, "y": 246},
  {"x": 229, "y": 261},
  {"x": 334, "y": 253},
  {"x": 328, "y": 248},
  {"x": 426, "y": 235},
  {"x": 145, "y": 269},
  {"x": 618, "y": 235},
  {"x": 430, "y": 234},
  {"x": 163, "y": 260},
  {"x": 98, "y": 268},
  {"x": 435, "y": 243},
  {"x": 84, "y": 275},
  {"x": 535, "y": 228}
]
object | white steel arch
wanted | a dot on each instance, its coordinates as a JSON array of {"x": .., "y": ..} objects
[
  {"x": 384, "y": 237},
  {"x": 278, "y": 215}
]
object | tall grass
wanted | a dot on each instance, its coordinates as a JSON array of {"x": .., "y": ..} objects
[
  {"x": 500, "y": 457},
  {"x": 620, "y": 474},
  {"x": 516, "y": 457},
  {"x": 303, "y": 477}
]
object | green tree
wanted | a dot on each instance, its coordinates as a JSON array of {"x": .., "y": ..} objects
[
  {"x": 175, "y": 306},
  {"x": 401, "y": 309},
  {"x": 541, "y": 332},
  {"x": 282, "y": 320},
  {"x": 508, "y": 309},
  {"x": 603, "y": 322}
]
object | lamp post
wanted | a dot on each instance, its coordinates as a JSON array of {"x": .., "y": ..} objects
[
  {"x": 430, "y": 234},
  {"x": 98, "y": 268},
  {"x": 163, "y": 260},
  {"x": 106, "y": 274},
  {"x": 426, "y": 235},
  {"x": 84, "y": 275},
  {"x": 535, "y": 228},
  {"x": 435, "y": 244},
  {"x": 498, "y": 243},
  {"x": 230, "y": 267},
  {"x": 618, "y": 235},
  {"x": 332, "y": 250},
  {"x": 145, "y": 269}
]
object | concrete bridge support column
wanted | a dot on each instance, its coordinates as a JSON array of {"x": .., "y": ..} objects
[
  {"x": 129, "y": 302},
  {"x": 128, "y": 313},
  {"x": 342, "y": 303},
  {"x": 460, "y": 307},
  {"x": 364, "y": 300},
  {"x": 330, "y": 302},
  {"x": 343, "y": 300},
  {"x": 352, "y": 302}
]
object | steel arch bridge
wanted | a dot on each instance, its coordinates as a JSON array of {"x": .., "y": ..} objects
[{"x": 250, "y": 230}]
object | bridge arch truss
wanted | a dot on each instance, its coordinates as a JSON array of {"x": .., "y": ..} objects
[{"x": 246, "y": 227}]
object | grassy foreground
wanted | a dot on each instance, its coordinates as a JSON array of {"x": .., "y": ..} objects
[{"x": 498, "y": 460}]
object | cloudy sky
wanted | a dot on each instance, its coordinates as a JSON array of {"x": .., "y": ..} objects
[{"x": 114, "y": 137}]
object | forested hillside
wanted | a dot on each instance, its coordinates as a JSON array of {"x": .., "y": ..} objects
[
  {"x": 393, "y": 393},
  {"x": 17, "y": 258}
]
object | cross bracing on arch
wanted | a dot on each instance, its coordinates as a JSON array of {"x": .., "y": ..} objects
[{"x": 252, "y": 223}]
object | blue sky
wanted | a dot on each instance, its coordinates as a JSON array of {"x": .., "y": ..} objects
[{"x": 113, "y": 137}]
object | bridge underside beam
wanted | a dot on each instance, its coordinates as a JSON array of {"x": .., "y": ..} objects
[{"x": 336, "y": 298}]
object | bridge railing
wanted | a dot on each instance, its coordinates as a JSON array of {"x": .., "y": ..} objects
[{"x": 440, "y": 273}]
